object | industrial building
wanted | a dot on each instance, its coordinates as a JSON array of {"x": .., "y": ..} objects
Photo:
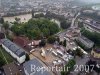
[{"x": 14, "y": 50}]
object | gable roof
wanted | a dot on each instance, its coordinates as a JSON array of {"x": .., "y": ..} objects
[
  {"x": 13, "y": 47},
  {"x": 21, "y": 41}
]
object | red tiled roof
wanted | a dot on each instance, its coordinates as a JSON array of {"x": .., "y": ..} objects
[{"x": 21, "y": 41}]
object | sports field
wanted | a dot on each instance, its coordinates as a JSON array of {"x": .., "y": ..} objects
[{"x": 5, "y": 57}]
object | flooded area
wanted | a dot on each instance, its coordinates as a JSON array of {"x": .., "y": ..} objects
[{"x": 23, "y": 18}]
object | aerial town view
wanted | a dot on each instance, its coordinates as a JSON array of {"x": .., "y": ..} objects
[{"x": 49, "y": 37}]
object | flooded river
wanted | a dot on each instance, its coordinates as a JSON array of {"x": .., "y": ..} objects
[{"x": 23, "y": 18}]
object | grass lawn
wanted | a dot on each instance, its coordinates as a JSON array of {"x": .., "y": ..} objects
[{"x": 7, "y": 56}]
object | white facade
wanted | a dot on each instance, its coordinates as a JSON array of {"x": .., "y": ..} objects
[{"x": 19, "y": 59}]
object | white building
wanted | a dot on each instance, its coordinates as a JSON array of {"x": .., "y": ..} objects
[{"x": 14, "y": 50}]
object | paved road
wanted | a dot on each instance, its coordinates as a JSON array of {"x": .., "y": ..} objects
[{"x": 73, "y": 21}]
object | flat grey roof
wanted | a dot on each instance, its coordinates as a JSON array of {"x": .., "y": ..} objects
[
  {"x": 86, "y": 39},
  {"x": 13, "y": 47},
  {"x": 35, "y": 62}
]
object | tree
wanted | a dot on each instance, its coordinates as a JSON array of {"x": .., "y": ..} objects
[
  {"x": 69, "y": 65},
  {"x": 1, "y": 20},
  {"x": 27, "y": 57},
  {"x": 58, "y": 39},
  {"x": 64, "y": 43},
  {"x": 46, "y": 32},
  {"x": 35, "y": 29},
  {"x": 79, "y": 52},
  {"x": 34, "y": 34},
  {"x": 93, "y": 36},
  {"x": 51, "y": 39},
  {"x": 80, "y": 24},
  {"x": 64, "y": 24},
  {"x": 61, "y": 42},
  {"x": 17, "y": 19},
  {"x": 6, "y": 25},
  {"x": 39, "y": 15},
  {"x": 42, "y": 43},
  {"x": 32, "y": 13}
]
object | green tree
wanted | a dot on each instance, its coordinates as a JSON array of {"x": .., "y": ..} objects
[
  {"x": 51, "y": 39},
  {"x": 35, "y": 28},
  {"x": 79, "y": 53},
  {"x": 17, "y": 19},
  {"x": 27, "y": 57},
  {"x": 61, "y": 42},
  {"x": 39, "y": 15},
  {"x": 94, "y": 36},
  {"x": 64, "y": 24},
  {"x": 64, "y": 43},
  {"x": 80, "y": 24},
  {"x": 1, "y": 20},
  {"x": 69, "y": 65},
  {"x": 42, "y": 43},
  {"x": 32, "y": 13},
  {"x": 46, "y": 32},
  {"x": 6, "y": 25},
  {"x": 34, "y": 34}
]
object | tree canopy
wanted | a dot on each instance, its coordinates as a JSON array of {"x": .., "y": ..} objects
[
  {"x": 65, "y": 24},
  {"x": 36, "y": 28},
  {"x": 94, "y": 36}
]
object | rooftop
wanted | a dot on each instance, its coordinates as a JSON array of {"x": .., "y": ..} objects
[
  {"x": 94, "y": 24},
  {"x": 13, "y": 47},
  {"x": 36, "y": 63},
  {"x": 97, "y": 50},
  {"x": 86, "y": 39},
  {"x": 11, "y": 69}
]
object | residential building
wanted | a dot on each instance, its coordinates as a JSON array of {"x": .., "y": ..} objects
[
  {"x": 25, "y": 43},
  {"x": 14, "y": 50},
  {"x": 11, "y": 69},
  {"x": 95, "y": 55},
  {"x": 34, "y": 67}
]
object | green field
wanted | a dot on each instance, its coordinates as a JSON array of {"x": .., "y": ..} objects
[{"x": 5, "y": 56}]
